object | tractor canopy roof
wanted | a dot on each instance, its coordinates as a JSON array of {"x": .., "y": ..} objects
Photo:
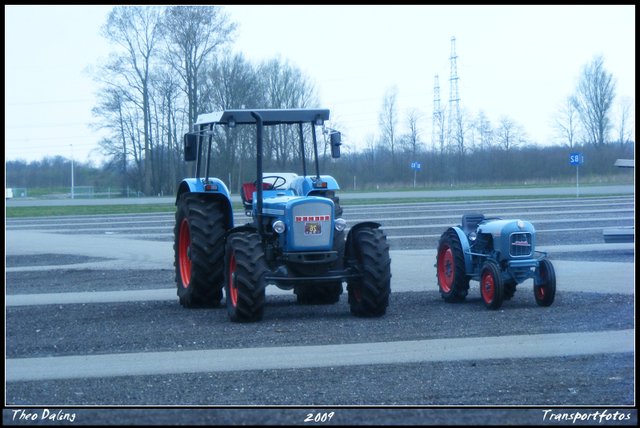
[{"x": 269, "y": 116}]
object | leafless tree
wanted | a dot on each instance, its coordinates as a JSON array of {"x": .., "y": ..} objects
[
  {"x": 388, "y": 119},
  {"x": 232, "y": 82},
  {"x": 510, "y": 134},
  {"x": 193, "y": 34},
  {"x": 625, "y": 123},
  {"x": 593, "y": 101},
  {"x": 412, "y": 140},
  {"x": 136, "y": 30},
  {"x": 284, "y": 86},
  {"x": 566, "y": 121},
  {"x": 484, "y": 130}
]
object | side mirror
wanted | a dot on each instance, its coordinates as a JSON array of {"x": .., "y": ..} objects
[
  {"x": 190, "y": 147},
  {"x": 336, "y": 142}
]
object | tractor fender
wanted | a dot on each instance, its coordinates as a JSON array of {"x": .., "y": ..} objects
[
  {"x": 348, "y": 249},
  {"x": 464, "y": 242},
  {"x": 192, "y": 185}
]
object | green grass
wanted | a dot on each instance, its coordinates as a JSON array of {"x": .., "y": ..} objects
[
  {"x": 54, "y": 211},
  {"x": 19, "y": 212}
]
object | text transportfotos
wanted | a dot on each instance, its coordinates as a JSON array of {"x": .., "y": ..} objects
[{"x": 577, "y": 416}]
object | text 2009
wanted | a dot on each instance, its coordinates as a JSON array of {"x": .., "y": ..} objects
[{"x": 320, "y": 417}]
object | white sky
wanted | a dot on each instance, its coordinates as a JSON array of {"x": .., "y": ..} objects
[{"x": 520, "y": 61}]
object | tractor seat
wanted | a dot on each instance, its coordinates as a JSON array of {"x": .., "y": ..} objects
[
  {"x": 470, "y": 222},
  {"x": 247, "y": 193},
  {"x": 248, "y": 189}
]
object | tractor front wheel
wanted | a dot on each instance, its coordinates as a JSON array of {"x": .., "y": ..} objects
[
  {"x": 544, "y": 287},
  {"x": 450, "y": 270},
  {"x": 369, "y": 295},
  {"x": 491, "y": 286},
  {"x": 244, "y": 283}
]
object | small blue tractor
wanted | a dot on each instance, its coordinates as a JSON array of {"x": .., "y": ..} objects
[
  {"x": 498, "y": 253},
  {"x": 295, "y": 239}
]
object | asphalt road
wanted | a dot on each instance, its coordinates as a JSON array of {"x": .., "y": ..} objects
[{"x": 92, "y": 320}]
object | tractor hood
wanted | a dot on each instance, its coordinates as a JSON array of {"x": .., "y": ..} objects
[
  {"x": 513, "y": 238},
  {"x": 505, "y": 227},
  {"x": 309, "y": 221}
]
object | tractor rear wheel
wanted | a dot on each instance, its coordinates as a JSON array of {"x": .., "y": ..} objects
[
  {"x": 544, "y": 287},
  {"x": 369, "y": 295},
  {"x": 450, "y": 270},
  {"x": 244, "y": 283},
  {"x": 491, "y": 286},
  {"x": 199, "y": 251}
]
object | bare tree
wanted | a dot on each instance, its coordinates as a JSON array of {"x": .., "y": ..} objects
[
  {"x": 593, "y": 100},
  {"x": 388, "y": 119},
  {"x": 485, "y": 131},
  {"x": 284, "y": 86},
  {"x": 459, "y": 131},
  {"x": 232, "y": 82},
  {"x": 625, "y": 121},
  {"x": 136, "y": 30},
  {"x": 112, "y": 110},
  {"x": 566, "y": 120},
  {"x": 412, "y": 140},
  {"x": 510, "y": 134},
  {"x": 193, "y": 33}
]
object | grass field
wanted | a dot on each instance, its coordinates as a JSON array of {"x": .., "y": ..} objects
[{"x": 75, "y": 210}]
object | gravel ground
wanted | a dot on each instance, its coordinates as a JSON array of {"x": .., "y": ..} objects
[
  {"x": 593, "y": 380},
  {"x": 56, "y": 330}
]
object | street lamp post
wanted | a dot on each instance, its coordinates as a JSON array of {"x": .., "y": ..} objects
[{"x": 71, "y": 170}]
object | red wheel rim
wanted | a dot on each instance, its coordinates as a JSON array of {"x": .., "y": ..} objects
[
  {"x": 233, "y": 290},
  {"x": 183, "y": 253},
  {"x": 541, "y": 290},
  {"x": 445, "y": 268},
  {"x": 488, "y": 287}
]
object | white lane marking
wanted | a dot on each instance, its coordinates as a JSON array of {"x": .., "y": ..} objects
[{"x": 297, "y": 357}]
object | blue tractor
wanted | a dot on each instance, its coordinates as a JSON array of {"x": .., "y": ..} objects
[
  {"x": 498, "y": 253},
  {"x": 295, "y": 239}
]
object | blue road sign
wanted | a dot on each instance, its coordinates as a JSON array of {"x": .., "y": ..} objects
[{"x": 576, "y": 159}]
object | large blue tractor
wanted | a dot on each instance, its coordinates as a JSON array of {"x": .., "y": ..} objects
[
  {"x": 295, "y": 240},
  {"x": 498, "y": 253}
]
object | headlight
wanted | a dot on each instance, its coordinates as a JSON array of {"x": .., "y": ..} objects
[
  {"x": 340, "y": 224},
  {"x": 278, "y": 226},
  {"x": 472, "y": 236}
]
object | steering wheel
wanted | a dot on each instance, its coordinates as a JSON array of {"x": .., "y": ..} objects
[{"x": 276, "y": 183}]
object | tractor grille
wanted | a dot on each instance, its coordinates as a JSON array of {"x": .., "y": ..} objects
[
  {"x": 520, "y": 244},
  {"x": 312, "y": 224}
]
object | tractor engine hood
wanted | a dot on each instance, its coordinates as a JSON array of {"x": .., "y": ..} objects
[
  {"x": 309, "y": 221},
  {"x": 505, "y": 227},
  {"x": 514, "y": 239}
]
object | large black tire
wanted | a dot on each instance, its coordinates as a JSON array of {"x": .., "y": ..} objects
[
  {"x": 544, "y": 286},
  {"x": 199, "y": 251},
  {"x": 491, "y": 286},
  {"x": 453, "y": 281},
  {"x": 325, "y": 294},
  {"x": 244, "y": 283},
  {"x": 369, "y": 295}
]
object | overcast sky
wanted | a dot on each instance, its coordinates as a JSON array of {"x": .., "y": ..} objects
[{"x": 519, "y": 61}]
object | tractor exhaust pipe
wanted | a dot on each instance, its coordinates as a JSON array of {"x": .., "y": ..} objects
[{"x": 258, "y": 119}]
